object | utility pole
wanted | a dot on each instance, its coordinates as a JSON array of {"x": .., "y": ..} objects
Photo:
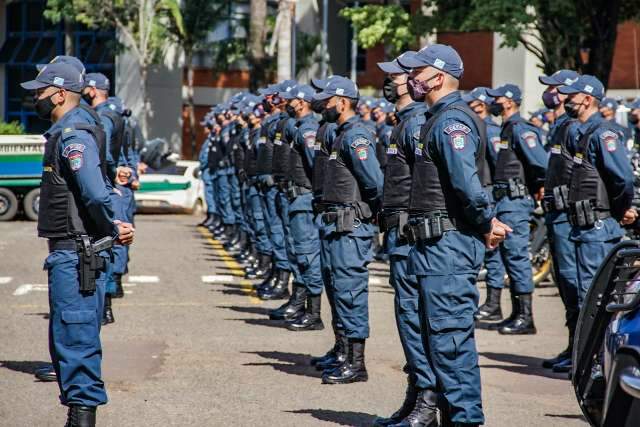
[
  {"x": 354, "y": 50},
  {"x": 323, "y": 39}
]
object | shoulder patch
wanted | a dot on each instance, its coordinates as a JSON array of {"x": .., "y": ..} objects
[
  {"x": 75, "y": 160},
  {"x": 458, "y": 140},
  {"x": 610, "y": 140},
  {"x": 495, "y": 142},
  {"x": 362, "y": 152},
  {"x": 530, "y": 138},
  {"x": 72, "y": 147},
  {"x": 309, "y": 138},
  {"x": 360, "y": 142},
  {"x": 457, "y": 127}
]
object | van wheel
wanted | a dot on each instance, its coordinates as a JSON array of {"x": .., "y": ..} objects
[
  {"x": 31, "y": 204},
  {"x": 8, "y": 204}
]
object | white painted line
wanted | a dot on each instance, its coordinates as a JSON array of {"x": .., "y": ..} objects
[
  {"x": 128, "y": 285},
  {"x": 128, "y": 292},
  {"x": 5, "y": 280},
  {"x": 221, "y": 278},
  {"x": 144, "y": 279},
  {"x": 375, "y": 281},
  {"x": 26, "y": 288}
]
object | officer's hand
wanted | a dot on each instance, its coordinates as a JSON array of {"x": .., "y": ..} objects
[
  {"x": 142, "y": 168},
  {"x": 629, "y": 217},
  {"x": 123, "y": 174},
  {"x": 498, "y": 233},
  {"x": 125, "y": 232},
  {"x": 135, "y": 185},
  {"x": 539, "y": 195}
]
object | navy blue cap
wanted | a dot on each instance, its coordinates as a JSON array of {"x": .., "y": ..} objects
[
  {"x": 385, "y": 106},
  {"x": 269, "y": 90},
  {"x": 65, "y": 59},
  {"x": 539, "y": 114},
  {"x": 609, "y": 103},
  {"x": 509, "y": 90},
  {"x": 589, "y": 85},
  {"x": 319, "y": 84},
  {"x": 635, "y": 104},
  {"x": 394, "y": 67},
  {"x": 97, "y": 80},
  {"x": 303, "y": 92},
  {"x": 478, "y": 94},
  {"x": 286, "y": 86},
  {"x": 60, "y": 75},
  {"x": 116, "y": 104},
  {"x": 338, "y": 86},
  {"x": 559, "y": 78},
  {"x": 440, "y": 56}
]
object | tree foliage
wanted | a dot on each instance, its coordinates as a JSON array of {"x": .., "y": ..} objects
[{"x": 577, "y": 34}]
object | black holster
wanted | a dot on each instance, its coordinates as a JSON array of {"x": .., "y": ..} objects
[
  {"x": 427, "y": 228},
  {"x": 583, "y": 214},
  {"x": 90, "y": 262},
  {"x": 344, "y": 218}
]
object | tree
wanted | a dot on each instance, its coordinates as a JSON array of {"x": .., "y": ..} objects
[
  {"x": 199, "y": 18},
  {"x": 257, "y": 38},
  {"x": 576, "y": 34},
  {"x": 141, "y": 26}
]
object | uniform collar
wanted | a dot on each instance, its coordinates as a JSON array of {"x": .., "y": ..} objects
[
  {"x": 104, "y": 105},
  {"x": 444, "y": 102},
  {"x": 515, "y": 117},
  {"x": 408, "y": 109},
  {"x": 350, "y": 122},
  {"x": 64, "y": 120},
  {"x": 595, "y": 119},
  {"x": 305, "y": 118},
  {"x": 489, "y": 121}
]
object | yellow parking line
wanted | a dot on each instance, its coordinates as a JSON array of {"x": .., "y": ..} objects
[{"x": 232, "y": 265}]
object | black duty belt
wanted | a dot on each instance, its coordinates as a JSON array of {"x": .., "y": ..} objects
[
  {"x": 514, "y": 189},
  {"x": 345, "y": 219},
  {"x": 558, "y": 201},
  {"x": 294, "y": 191},
  {"x": 583, "y": 214},
  {"x": 387, "y": 221},
  {"x": 427, "y": 227},
  {"x": 62, "y": 245}
]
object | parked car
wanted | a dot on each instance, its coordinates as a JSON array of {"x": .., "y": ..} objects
[
  {"x": 606, "y": 357},
  {"x": 176, "y": 187}
]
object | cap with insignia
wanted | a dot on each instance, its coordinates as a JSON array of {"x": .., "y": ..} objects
[{"x": 60, "y": 75}]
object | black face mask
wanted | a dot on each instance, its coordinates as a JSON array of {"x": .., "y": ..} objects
[
  {"x": 267, "y": 107},
  {"x": 390, "y": 90},
  {"x": 317, "y": 106},
  {"x": 87, "y": 98},
  {"x": 572, "y": 109},
  {"x": 331, "y": 114},
  {"x": 375, "y": 116},
  {"x": 633, "y": 119},
  {"x": 390, "y": 120},
  {"x": 290, "y": 111},
  {"x": 44, "y": 107},
  {"x": 496, "y": 109}
]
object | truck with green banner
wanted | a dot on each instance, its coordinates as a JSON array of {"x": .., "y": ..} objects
[{"x": 20, "y": 175}]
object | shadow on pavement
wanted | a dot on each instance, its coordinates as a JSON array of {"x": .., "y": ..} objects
[
  {"x": 344, "y": 418},
  {"x": 43, "y": 315},
  {"x": 263, "y": 322},
  {"x": 24, "y": 366},
  {"x": 289, "y": 363},
  {"x": 527, "y": 365},
  {"x": 567, "y": 416},
  {"x": 250, "y": 310}
]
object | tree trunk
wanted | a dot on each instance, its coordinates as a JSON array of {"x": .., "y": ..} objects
[
  {"x": 190, "y": 101},
  {"x": 604, "y": 30},
  {"x": 144, "y": 123},
  {"x": 257, "y": 37},
  {"x": 68, "y": 38},
  {"x": 284, "y": 40}
]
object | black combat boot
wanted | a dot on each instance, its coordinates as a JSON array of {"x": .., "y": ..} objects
[
  {"x": 409, "y": 403},
  {"x": 352, "y": 369},
  {"x": 338, "y": 358},
  {"x": 424, "y": 413},
  {"x": 119, "y": 289},
  {"x": 311, "y": 320},
  {"x": 46, "y": 373},
  {"x": 269, "y": 281},
  {"x": 293, "y": 308},
  {"x": 215, "y": 222},
  {"x": 263, "y": 270},
  {"x": 81, "y": 416},
  {"x": 514, "y": 313},
  {"x": 491, "y": 309},
  {"x": 207, "y": 221},
  {"x": 107, "y": 315},
  {"x": 216, "y": 228},
  {"x": 280, "y": 288},
  {"x": 236, "y": 238},
  {"x": 331, "y": 354},
  {"x": 523, "y": 323}
]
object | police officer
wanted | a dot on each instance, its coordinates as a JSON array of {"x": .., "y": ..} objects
[
  {"x": 449, "y": 214},
  {"x": 352, "y": 188},
  {"x": 601, "y": 185},
  {"x": 480, "y": 102},
  {"x": 392, "y": 220},
  {"x": 608, "y": 108},
  {"x": 205, "y": 173},
  {"x": 633, "y": 118},
  {"x": 520, "y": 173},
  {"x": 304, "y": 232},
  {"x": 223, "y": 175},
  {"x": 562, "y": 139},
  {"x": 74, "y": 204},
  {"x": 365, "y": 105}
]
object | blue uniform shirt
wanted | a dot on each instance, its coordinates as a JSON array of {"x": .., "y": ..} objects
[
  {"x": 456, "y": 151},
  {"x": 607, "y": 152},
  {"x": 527, "y": 142},
  {"x": 493, "y": 141},
  {"x": 203, "y": 155},
  {"x": 79, "y": 151},
  {"x": 305, "y": 137}
]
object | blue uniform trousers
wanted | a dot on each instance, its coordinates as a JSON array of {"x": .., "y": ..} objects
[
  {"x": 223, "y": 190},
  {"x": 236, "y": 202},
  {"x": 258, "y": 207},
  {"x": 563, "y": 255},
  {"x": 215, "y": 176},
  {"x": 515, "y": 248},
  {"x": 495, "y": 268},
  {"x": 406, "y": 304},
  {"x": 74, "y": 331},
  {"x": 282, "y": 208},
  {"x": 447, "y": 269},
  {"x": 248, "y": 213},
  {"x": 592, "y": 246},
  {"x": 207, "y": 179},
  {"x": 276, "y": 230},
  {"x": 345, "y": 259},
  {"x": 325, "y": 268},
  {"x": 306, "y": 243}
]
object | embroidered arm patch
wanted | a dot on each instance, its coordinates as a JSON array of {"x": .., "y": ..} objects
[
  {"x": 358, "y": 142},
  {"x": 530, "y": 138},
  {"x": 610, "y": 140}
]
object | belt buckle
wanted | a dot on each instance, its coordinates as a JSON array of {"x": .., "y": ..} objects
[{"x": 598, "y": 224}]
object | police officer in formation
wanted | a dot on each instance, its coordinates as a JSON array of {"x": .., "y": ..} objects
[{"x": 76, "y": 214}]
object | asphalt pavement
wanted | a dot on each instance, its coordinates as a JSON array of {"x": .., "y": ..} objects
[{"x": 192, "y": 346}]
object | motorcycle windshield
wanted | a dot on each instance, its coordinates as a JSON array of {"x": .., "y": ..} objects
[{"x": 618, "y": 267}]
